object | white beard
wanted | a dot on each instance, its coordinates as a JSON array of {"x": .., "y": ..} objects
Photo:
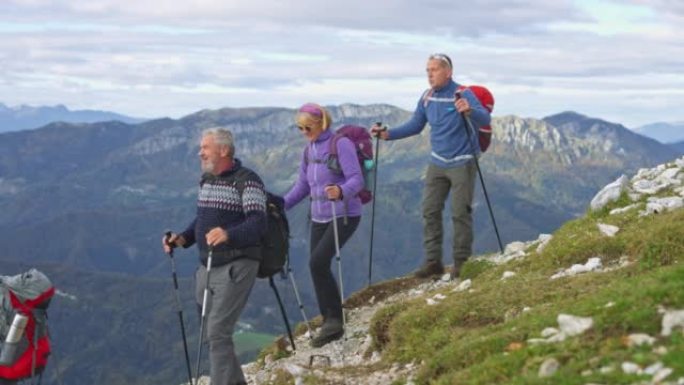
[{"x": 207, "y": 166}]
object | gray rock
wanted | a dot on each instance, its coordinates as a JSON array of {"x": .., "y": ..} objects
[
  {"x": 631, "y": 368},
  {"x": 621, "y": 210},
  {"x": 639, "y": 339},
  {"x": 543, "y": 241},
  {"x": 652, "y": 369},
  {"x": 661, "y": 374},
  {"x": 549, "y": 367},
  {"x": 463, "y": 286},
  {"x": 571, "y": 325},
  {"x": 608, "y": 230},
  {"x": 507, "y": 274},
  {"x": 672, "y": 319},
  {"x": 609, "y": 193}
]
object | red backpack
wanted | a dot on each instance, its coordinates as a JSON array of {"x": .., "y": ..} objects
[
  {"x": 23, "y": 313},
  {"x": 363, "y": 143},
  {"x": 487, "y": 100}
]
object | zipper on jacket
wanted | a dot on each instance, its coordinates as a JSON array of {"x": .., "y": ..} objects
[{"x": 316, "y": 164}]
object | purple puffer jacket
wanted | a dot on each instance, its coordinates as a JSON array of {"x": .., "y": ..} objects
[{"x": 314, "y": 175}]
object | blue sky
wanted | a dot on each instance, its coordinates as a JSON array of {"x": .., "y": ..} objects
[{"x": 621, "y": 61}]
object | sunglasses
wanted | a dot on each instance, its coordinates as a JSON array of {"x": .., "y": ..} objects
[
  {"x": 304, "y": 128},
  {"x": 442, "y": 57}
]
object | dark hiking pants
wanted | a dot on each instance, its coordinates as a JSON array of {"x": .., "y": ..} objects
[
  {"x": 322, "y": 251},
  {"x": 438, "y": 183}
]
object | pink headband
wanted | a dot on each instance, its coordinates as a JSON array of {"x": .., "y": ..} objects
[{"x": 312, "y": 109}]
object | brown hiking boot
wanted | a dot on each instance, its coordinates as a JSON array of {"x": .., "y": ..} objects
[
  {"x": 330, "y": 331},
  {"x": 430, "y": 268},
  {"x": 455, "y": 271}
]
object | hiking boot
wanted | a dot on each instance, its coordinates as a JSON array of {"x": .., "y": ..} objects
[
  {"x": 430, "y": 269},
  {"x": 330, "y": 331},
  {"x": 455, "y": 271}
]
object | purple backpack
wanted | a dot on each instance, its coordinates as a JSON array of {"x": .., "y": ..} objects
[{"x": 363, "y": 143}]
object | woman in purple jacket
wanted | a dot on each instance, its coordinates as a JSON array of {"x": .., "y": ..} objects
[{"x": 320, "y": 180}]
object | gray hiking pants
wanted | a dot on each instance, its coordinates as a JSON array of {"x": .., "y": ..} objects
[
  {"x": 438, "y": 182},
  {"x": 229, "y": 287}
]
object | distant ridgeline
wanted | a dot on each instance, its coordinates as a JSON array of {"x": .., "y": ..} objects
[{"x": 27, "y": 117}]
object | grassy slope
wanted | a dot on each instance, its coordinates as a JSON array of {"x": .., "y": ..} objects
[{"x": 480, "y": 337}]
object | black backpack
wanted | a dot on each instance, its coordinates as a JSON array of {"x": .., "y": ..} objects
[{"x": 275, "y": 243}]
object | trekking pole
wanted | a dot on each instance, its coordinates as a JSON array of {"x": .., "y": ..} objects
[
  {"x": 339, "y": 260},
  {"x": 339, "y": 274},
  {"x": 204, "y": 313},
  {"x": 299, "y": 299},
  {"x": 179, "y": 309},
  {"x": 282, "y": 311},
  {"x": 375, "y": 198},
  {"x": 469, "y": 128}
]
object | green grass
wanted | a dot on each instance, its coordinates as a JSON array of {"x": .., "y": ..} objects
[
  {"x": 252, "y": 341},
  {"x": 466, "y": 338}
]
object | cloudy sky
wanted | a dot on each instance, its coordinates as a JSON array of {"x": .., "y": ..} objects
[{"x": 622, "y": 61}]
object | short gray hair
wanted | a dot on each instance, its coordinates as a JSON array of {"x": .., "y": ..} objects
[{"x": 221, "y": 136}]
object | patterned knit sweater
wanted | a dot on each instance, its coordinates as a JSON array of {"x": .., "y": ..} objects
[{"x": 234, "y": 200}]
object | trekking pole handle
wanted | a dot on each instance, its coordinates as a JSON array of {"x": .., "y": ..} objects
[
  {"x": 382, "y": 128},
  {"x": 458, "y": 95},
  {"x": 338, "y": 187},
  {"x": 377, "y": 133},
  {"x": 167, "y": 235}
]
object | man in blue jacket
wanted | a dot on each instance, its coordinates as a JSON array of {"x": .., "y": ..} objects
[{"x": 451, "y": 168}]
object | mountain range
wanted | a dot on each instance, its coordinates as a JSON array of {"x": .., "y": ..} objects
[
  {"x": 27, "y": 117},
  {"x": 663, "y": 132},
  {"x": 678, "y": 146},
  {"x": 88, "y": 203}
]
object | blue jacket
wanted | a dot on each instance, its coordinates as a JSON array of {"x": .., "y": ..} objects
[{"x": 448, "y": 136}]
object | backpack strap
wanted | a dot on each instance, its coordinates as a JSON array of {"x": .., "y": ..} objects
[
  {"x": 306, "y": 154},
  {"x": 426, "y": 96},
  {"x": 335, "y": 167},
  {"x": 306, "y": 157},
  {"x": 333, "y": 145},
  {"x": 240, "y": 181},
  {"x": 333, "y": 159}
]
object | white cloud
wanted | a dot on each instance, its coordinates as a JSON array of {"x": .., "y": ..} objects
[
  {"x": 474, "y": 17},
  {"x": 150, "y": 58},
  {"x": 673, "y": 10}
]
